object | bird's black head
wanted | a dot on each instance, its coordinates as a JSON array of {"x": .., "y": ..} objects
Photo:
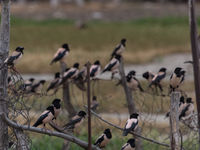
[
  {"x": 146, "y": 75},
  {"x": 56, "y": 103},
  {"x": 76, "y": 65},
  {"x": 94, "y": 98},
  {"x": 51, "y": 109},
  {"x": 131, "y": 142},
  {"x": 189, "y": 100},
  {"x": 57, "y": 75},
  {"x": 20, "y": 49},
  {"x": 183, "y": 72},
  {"x": 97, "y": 62},
  {"x": 162, "y": 69},
  {"x": 81, "y": 113},
  {"x": 118, "y": 57},
  {"x": 31, "y": 79},
  {"x": 65, "y": 46},
  {"x": 177, "y": 70},
  {"x": 134, "y": 115},
  {"x": 107, "y": 132},
  {"x": 42, "y": 81},
  {"x": 182, "y": 99},
  {"x": 123, "y": 41},
  {"x": 132, "y": 73}
]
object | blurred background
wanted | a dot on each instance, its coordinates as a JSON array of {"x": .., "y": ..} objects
[{"x": 157, "y": 33}]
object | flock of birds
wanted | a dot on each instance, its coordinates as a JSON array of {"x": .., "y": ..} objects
[{"x": 74, "y": 73}]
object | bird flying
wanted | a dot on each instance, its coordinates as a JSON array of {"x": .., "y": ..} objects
[
  {"x": 45, "y": 117},
  {"x": 113, "y": 65},
  {"x": 119, "y": 48},
  {"x": 130, "y": 145},
  {"x": 61, "y": 54},
  {"x": 131, "y": 124},
  {"x": 15, "y": 57},
  {"x": 95, "y": 69},
  {"x": 176, "y": 78},
  {"x": 103, "y": 140},
  {"x": 76, "y": 121}
]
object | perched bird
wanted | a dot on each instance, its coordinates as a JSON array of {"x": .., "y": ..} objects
[
  {"x": 95, "y": 69},
  {"x": 176, "y": 78},
  {"x": 130, "y": 145},
  {"x": 148, "y": 76},
  {"x": 131, "y": 124},
  {"x": 15, "y": 57},
  {"x": 182, "y": 104},
  {"x": 45, "y": 117},
  {"x": 37, "y": 87},
  {"x": 113, "y": 65},
  {"x": 82, "y": 73},
  {"x": 27, "y": 85},
  {"x": 132, "y": 81},
  {"x": 57, "y": 107},
  {"x": 158, "y": 77},
  {"x": 76, "y": 121},
  {"x": 103, "y": 140},
  {"x": 94, "y": 103},
  {"x": 70, "y": 73},
  {"x": 188, "y": 110},
  {"x": 61, "y": 54},
  {"x": 54, "y": 84},
  {"x": 119, "y": 48}
]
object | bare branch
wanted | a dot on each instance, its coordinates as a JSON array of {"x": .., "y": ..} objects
[
  {"x": 70, "y": 138},
  {"x": 140, "y": 136}
]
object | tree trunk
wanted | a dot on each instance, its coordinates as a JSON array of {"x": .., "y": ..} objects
[
  {"x": 195, "y": 56},
  {"x": 4, "y": 49},
  {"x": 22, "y": 141},
  {"x": 174, "y": 121},
  {"x": 130, "y": 101}
]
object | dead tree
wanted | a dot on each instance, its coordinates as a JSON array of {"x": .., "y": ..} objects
[
  {"x": 4, "y": 49},
  {"x": 129, "y": 99},
  {"x": 195, "y": 56},
  {"x": 174, "y": 121}
]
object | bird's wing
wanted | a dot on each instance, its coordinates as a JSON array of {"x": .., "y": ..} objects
[
  {"x": 109, "y": 66},
  {"x": 183, "y": 112},
  {"x": 70, "y": 74},
  {"x": 33, "y": 87},
  {"x": 10, "y": 59},
  {"x": 159, "y": 77},
  {"x": 53, "y": 84},
  {"x": 93, "y": 71},
  {"x": 71, "y": 124},
  {"x": 41, "y": 118},
  {"x": 99, "y": 140},
  {"x": 115, "y": 50},
  {"x": 124, "y": 146}
]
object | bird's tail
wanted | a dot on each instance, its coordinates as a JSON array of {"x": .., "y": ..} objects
[
  {"x": 141, "y": 89},
  {"x": 125, "y": 133},
  {"x": 37, "y": 123}
]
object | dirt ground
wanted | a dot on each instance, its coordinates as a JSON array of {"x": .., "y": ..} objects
[{"x": 100, "y": 11}]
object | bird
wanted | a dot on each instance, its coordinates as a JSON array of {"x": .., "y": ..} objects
[
  {"x": 131, "y": 124},
  {"x": 148, "y": 76},
  {"x": 82, "y": 75},
  {"x": 57, "y": 107},
  {"x": 119, "y": 48},
  {"x": 130, "y": 145},
  {"x": 182, "y": 104},
  {"x": 70, "y": 73},
  {"x": 45, "y": 117},
  {"x": 103, "y": 140},
  {"x": 54, "y": 84},
  {"x": 158, "y": 78},
  {"x": 132, "y": 81},
  {"x": 188, "y": 110},
  {"x": 76, "y": 121},
  {"x": 27, "y": 85},
  {"x": 15, "y": 57},
  {"x": 61, "y": 54},
  {"x": 95, "y": 69},
  {"x": 113, "y": 65},
  {"x": 176, "y": 78},
  {"x": 37, "y": 87},
  {"x": 94, "y": 103}
]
